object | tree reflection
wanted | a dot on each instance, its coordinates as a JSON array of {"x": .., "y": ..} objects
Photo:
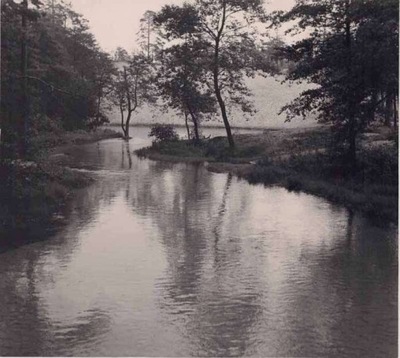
[
  {"x": 217, "y": 304},
  {"x": 349, "y": 303}
]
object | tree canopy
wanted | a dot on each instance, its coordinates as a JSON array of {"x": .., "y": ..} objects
[
  {"x": 60, "y": 76},
  {"x": 350, "y": 52},
  {"x": 225, "y": 30}
]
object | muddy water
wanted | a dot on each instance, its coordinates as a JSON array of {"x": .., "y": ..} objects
[{"x": 162, "y": 259}]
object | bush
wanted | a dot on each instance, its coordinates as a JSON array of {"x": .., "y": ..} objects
[
  {"x": 379, "y": 166},
  {"x": 163, "y": 132}
]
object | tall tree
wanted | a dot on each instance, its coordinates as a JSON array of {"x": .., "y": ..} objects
[
  {"x": 180, "y": 80},
  {"x": 147, "y": 37},
  {"x": 351, "y": 54},
  {"x": 226, "y": 26},
  {"x": 182, "y": 73}
]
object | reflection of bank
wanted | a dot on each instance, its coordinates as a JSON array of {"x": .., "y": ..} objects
[{"x": 28, "y": 327}]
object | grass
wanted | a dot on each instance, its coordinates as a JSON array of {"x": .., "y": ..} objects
[
  {"x": 209, "y": 150},
  {"x": 42, "y": 142}
]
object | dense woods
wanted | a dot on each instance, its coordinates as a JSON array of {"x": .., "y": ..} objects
[{"x": 53, "y": 73}]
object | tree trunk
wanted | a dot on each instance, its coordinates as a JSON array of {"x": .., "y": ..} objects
[
  {"x": 128, "y": 119},
  {"x": 352, "y": 150},
  {"x": 223, "y": 113},
  {"x": 395, "y": 112},
  {"x": 187, "y": 125},
  {"x": 217, "y": 88},
  {"x": 195, "y": 125},
  {"x": 121, "y": 109},
  {"x": 388, "y": 109},
  {"x": 24, "y": 121},
  {"x": 352, "y": 130}
]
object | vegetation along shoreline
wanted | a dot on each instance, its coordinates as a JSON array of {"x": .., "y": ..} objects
[
  {"x": 303, "y": 160},
  {"x": 35, "y": 193}
]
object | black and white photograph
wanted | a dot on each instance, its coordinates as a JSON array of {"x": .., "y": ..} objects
[{"x": 199, "y": 178}]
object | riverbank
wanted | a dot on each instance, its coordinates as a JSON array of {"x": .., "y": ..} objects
[
  {"x": 34, "y": 194},
  {"x": 302, "y": 160}
]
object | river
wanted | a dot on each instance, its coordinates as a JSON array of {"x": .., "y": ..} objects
[{"x": 166, "y": 259}]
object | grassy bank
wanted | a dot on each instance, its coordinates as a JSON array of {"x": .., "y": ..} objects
[
  {"x": 302, "y": 160},
  {"x": 34, "y": 194},
  {"x": 44, "y": 142}
]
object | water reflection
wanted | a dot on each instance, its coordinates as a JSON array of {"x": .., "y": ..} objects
[{"x": 206, "y": 263}]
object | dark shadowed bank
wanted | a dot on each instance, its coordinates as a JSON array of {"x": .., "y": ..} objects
[
  {"x": 34, "y": 195},
  {"x": 306, "y": 160}
]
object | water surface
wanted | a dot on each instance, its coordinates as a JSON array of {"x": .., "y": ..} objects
[{"x": 163, "y": 259}]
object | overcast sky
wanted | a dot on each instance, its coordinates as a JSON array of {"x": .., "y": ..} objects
[{"x": 116, "y": 22}]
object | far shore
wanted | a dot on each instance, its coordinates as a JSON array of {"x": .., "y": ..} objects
[
  {"x": 220, "y": 126},
  {"x": 299, "y": 160}
]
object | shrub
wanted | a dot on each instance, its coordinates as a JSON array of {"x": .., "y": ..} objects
[{"x": 163, "y": 132}]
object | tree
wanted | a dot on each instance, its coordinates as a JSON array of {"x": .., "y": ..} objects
[
  {"x": 121, "y": 54},
  {"x": 52, "y": 71},
  {"x": 132, "y": 88},
  {"x": 351, "y": 55},
  {"x": 226, "y": 24},
  {"x": 19, "y": 111},
  {"x": 226, "y": 27},
  {"x": 147, "y": 38},
  {"x": 103, "y": 84},
  {"x": 182, "y": 74}
]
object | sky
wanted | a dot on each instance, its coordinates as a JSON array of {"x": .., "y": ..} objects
[{"x": 116, "y": 22}]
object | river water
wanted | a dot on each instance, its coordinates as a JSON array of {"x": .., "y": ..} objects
[{"x": 163, "y": 259}]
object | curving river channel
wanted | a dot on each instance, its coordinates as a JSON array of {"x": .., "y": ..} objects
[{"x": 163, "y": 259}]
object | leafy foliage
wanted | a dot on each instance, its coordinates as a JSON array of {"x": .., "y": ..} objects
[
  {"x": 228, "y": 48},
  {"x": 351, "y": 55},
  {"x": 132, "y": 87},
  {"x": 64, "y": 75},
  {"x": 163, "y": 132}
]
